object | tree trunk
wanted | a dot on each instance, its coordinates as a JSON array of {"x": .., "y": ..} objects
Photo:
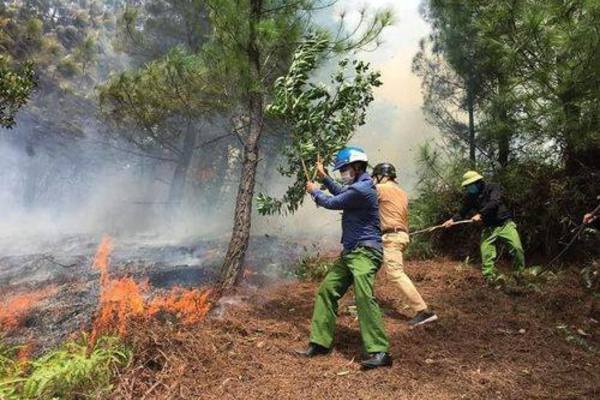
[
  {"x": 177, "y": 188},
  {"x": 470, "y": 109},
  {"x": 231, "y": 271},
  {"x": 503, "y": 149},
  {"x": 242, "y": 220},
  {"x": 504, "y": 137},
  {"x": 571, "y": 131},
  {"x": 503, "y": 115}
]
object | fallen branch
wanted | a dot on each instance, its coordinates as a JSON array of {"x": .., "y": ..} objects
[{"x": 52, "y": 260}]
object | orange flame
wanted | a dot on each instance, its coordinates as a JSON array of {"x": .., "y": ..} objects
[
  {"x": 189, "y": 305},
  {"x": 101, "y": 260},
  {"x": 120, "y": 299},
  {"x": 14, "y": 309},
  {"x": 123, "y": 299}
]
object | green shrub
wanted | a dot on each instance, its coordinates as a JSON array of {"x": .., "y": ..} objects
[
  {"x": 438, "y": 198},
  {"x": 315, "y": 267},
  {"x": 547, "y": 202},
  {"x": 70, "y": 372},
  {"x": 68, "y": 67},
  {"x": 420, "y": 247},
  {"x": 10, "y": 372}
]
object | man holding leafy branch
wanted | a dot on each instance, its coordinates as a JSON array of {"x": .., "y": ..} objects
[{"x": 360, "y": 260}]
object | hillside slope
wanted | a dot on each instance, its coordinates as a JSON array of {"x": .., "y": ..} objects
[{"x": 487, "y": 345}]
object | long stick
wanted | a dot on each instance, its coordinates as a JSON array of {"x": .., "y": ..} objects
[
  {"x": 577, "y": 231},
  {"x": 433, "y": 228},
  {"x": 314, "y": 175},
  {"x": 305, "y": 170}
]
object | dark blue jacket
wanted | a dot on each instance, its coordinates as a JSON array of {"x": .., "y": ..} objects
[
  {"x": 489, "y": 203},
  {"x": 360, "y": 217}
]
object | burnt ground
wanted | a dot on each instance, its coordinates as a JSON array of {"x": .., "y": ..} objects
[
  {"x": 488, "y": 344},
  {"x": 59, "y": 273}
]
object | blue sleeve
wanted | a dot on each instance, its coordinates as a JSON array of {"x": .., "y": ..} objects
[
  {"x": 333, "y": 187},
  {"x": 350, "y": 198}
]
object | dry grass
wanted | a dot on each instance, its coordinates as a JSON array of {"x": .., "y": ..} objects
[{"x": 475, "y": 351}]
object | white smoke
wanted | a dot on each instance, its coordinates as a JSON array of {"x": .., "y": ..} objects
[{"x": 84, "y": 186}]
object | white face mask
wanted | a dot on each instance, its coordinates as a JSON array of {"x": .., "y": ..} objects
[{"x": 347, "y": 177}]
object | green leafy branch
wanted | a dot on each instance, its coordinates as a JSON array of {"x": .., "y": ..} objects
[{"x": 322, "y": 118}]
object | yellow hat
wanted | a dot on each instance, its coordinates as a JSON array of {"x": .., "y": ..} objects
[{"x": 471, "y": 177}]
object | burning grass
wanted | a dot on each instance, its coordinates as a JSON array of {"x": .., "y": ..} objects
[
  {"x": 15, "y": 309},
  {"x": 120, "y": 299},
  {"x": 124, "y": 300},
  {"x": 84, "y": 368},
  {"x": 189, "y": 305}
]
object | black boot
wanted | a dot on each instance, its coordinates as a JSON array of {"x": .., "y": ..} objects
[
  {"x": 313, "y": 350},
  {"x": 377, "y": 360}
]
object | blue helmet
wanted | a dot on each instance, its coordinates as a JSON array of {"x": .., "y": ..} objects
[{"x": 348, "y": 155}]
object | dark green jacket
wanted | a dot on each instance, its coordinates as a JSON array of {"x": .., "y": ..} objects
[{"x": 489, "y": 203}]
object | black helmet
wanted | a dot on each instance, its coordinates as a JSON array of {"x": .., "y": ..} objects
[{"x": 385, "y": 169}]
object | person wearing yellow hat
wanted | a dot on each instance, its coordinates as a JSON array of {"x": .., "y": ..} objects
[{"x": 486, "y": 201}]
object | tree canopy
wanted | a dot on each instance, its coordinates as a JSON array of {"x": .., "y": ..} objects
[
  {"x": 16, "y": 85},
  {"x": 531, "y": 69}
]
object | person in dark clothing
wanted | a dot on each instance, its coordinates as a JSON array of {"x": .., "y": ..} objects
[
  {"x": 589, "y": 218},
  {"x": 486, "y": 201},
  {"x": 361, "y": 259},
  {"x": 592, "y": 219}
]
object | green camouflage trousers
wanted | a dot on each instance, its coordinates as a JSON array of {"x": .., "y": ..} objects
[
  {"x": 357, "y": 268},
  {"x": 508, "y": 233}
]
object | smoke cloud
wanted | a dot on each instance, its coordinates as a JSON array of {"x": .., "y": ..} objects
[{"x": 96, "y": 184}]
